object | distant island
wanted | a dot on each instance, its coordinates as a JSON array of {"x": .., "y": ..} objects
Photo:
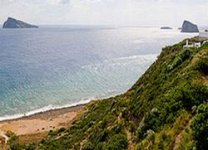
[
  {"x": 166, "y": 28},
  {"x": 189, "y": 27},
  {"x": 14, "y": 23}
]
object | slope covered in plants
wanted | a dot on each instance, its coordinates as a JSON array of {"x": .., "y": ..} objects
[{"x": 165, "y": 109}]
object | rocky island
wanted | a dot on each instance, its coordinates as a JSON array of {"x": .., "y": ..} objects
[
  {"x": 14, "y": 23},
  {"x": 189, "y": 27},
  {"x": 166, "y": 28}
]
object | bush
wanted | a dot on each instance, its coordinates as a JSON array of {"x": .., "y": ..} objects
[
  {"x": 52, "y": 133},
  {"x": 88, "y": 146},
  {"x": 10, "y": 134},
  {"x": 200, "y": 127},
  {"x": 61, "y": 130},
  {"x": 192, "y": 94},
  {"x": 179, "y": 59},
  {"x": 202, "y": 66},
  {"x": 30, "y": 147},
  {"x": 117, "y": 142}
]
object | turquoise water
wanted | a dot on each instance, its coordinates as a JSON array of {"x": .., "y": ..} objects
[{"x": 52, "y": 67}]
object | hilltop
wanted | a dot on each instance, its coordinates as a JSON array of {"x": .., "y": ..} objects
[{"x": 165, "y": 109}]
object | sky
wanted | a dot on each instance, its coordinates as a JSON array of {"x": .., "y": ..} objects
[{"x": 106, "y": 12}]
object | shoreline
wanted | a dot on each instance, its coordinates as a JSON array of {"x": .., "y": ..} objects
[
  {"x": 45, "y": 109},
  {"x": 36, "y": 127},
  {"x": 53, "y": 107},
  {"x": 37, "y": 115}
]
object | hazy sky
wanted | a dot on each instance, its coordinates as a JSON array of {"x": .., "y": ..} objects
[{"x": 106, "y": 12}]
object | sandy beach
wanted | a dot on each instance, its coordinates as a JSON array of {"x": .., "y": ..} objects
[{"x": 38, "y": 125}]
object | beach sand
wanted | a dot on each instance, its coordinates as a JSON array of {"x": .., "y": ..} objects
[{"x": 38, "y": 125}]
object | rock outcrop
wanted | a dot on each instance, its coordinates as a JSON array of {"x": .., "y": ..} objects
[
  {"x": 14, "y": 23},
  {"x": 166, "y": 28},
  {"x": 189, "y": 27}
]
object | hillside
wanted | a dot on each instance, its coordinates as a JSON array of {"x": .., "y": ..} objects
[{"x": 165, "y": 109}]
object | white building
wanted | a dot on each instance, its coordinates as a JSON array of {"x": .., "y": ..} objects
[{"x": 194, "y": 44}]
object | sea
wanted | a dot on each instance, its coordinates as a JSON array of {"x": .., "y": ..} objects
[{"x": 60, "y": 66}]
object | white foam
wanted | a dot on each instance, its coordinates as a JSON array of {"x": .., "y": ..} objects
[
  {"x": 44, "y": 109},
  {"x": 138, "y": 59}
]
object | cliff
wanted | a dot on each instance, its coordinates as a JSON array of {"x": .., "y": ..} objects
[
  {"x": 189, "y": 27},
  {"x": 165, "y": 109},
  {"x": 13, "y": 23}
]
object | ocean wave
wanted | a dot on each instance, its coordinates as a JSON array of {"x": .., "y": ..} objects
[
  {"x": 45, "y": 109},
  {"x": 123, "y": 61}
]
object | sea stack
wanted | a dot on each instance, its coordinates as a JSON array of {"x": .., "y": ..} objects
[
  {"x": 14, "y": 23},
  {"x": 189, "y": 27}
]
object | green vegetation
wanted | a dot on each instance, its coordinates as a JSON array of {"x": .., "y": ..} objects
[
  {"x": 165, "y": 109},
  {"x": 202, "y": 65},
  {"x": 200, "y": 126}
]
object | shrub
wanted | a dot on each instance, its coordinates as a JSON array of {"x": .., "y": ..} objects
[
  {"x": 118, "y": 141},
  {"x": 88, "y": 146},
  {"x": 61, "y": 130},
  {"x": 202, "y": 66},
  {"x": 30, "y": 147},
  {"x": 179, "y": 59},
  {"x": 200, "y": 127},
  {"x": 10, "y": 134},
  {"x": 13, "y": 141},
  {"x": 52, "y": 133},
  {"x": 193, "y": 94}
]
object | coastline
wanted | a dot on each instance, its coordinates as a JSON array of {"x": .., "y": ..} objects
[
  {"x": 49, "y": 112},
  {"x": 43, "y": 110},
  {"x": 54, "y": 108},
  {"x": 35, "y": 127}
]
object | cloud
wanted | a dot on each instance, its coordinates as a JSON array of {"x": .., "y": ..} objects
[{"x": 120, "y": 12}]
